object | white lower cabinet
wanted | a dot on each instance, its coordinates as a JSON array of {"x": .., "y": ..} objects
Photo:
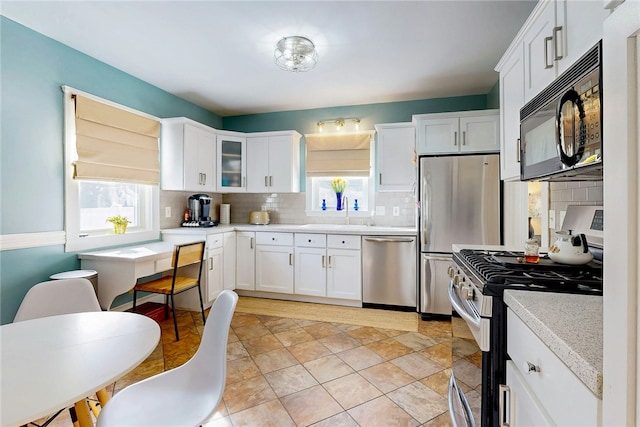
[
  {"x": 311, "y": 264},
  {"x": 229, "y": 261},
  {"x": 344, "y": 274},
  {"x": 328, "y": 266},
  {"x": 541, "y": 389},
  {"x": 274, "y": 262},
  {"x": 520, "y": 402},
  {"x": 245, "y": 260},
  {"x": 215, "y": 270}
]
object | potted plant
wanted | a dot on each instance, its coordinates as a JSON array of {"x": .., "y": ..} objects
[
  {"x": 338, "y": 185},
  {"x": 119, "y": 223}
]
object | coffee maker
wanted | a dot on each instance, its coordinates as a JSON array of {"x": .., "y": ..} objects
[{"x": 199, "y": 209}]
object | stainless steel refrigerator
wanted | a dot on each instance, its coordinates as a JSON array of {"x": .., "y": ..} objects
[{"x": 459, "y": 203}]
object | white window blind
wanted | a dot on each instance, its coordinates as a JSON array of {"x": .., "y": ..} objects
[
  {"x": 114, "y": 144},
  {"x": 346, "y": 154}
]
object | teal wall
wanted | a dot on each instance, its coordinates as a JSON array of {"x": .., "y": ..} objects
[
  {"x": 32, "y": 69},
  {"x": 493, "y": 97},
  {"x": 305, "y": 121}
]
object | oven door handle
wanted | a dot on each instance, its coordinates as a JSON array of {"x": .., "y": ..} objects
[
  {"x": 453, "y": 299},
  {"x": 457, "y": 401}
]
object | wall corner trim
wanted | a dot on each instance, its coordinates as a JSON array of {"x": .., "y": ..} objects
[{"x": 10, "y": 242}]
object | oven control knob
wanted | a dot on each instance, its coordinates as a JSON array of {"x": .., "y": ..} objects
[
  {"x": 468, "y": 292},
  {"x": 451, "y": 271},
  {"x": 456, "y": 280}
]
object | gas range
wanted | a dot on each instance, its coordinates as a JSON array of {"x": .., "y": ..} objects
[{"x": 492, "y": 272}]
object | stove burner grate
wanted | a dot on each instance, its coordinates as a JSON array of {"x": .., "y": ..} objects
[{"x": 502, "y": 268}]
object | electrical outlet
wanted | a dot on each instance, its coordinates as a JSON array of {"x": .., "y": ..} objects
[
  {"x": 396, "y": 211},
  {"x": 167, "y": 212},
  {"x": 380, "y": 211}
]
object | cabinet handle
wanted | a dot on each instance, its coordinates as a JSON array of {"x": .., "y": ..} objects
[
  {"x": 464, "y": 138},
  {"x": 546, "y": 52},
  {"x": 204, "y": 179},
  {"x": 323, "y": 266},
  {"x": 329, "y": 262},
  {"x": 455, "y": 138},
  {"x": 380, "y": 179},
  {"x": 518, "y": 148},
  {"x": 210, "y": 263},
  {"x": 556, "y": 31},
  {"x": 270, "y": 180},
  {"x": 290, "y": 259},
  {"x": 251, "y": 243},
  {"x": 505, "y": 417},
  {"x": 266, "y": 184},
  {"x": 531, "y": 368}
]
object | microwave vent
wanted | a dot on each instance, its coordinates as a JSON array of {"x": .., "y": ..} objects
[{"x": 583, "y": 66}]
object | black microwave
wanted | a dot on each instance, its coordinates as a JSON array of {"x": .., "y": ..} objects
[{"x": 561, "y": 128}]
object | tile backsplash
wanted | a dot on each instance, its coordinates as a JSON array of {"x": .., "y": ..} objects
[
  {"x": 287, "y": 208},
  {"x": 563, "y": 194}
]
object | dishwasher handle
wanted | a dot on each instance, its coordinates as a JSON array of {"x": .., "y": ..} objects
[{"x": 390, "y": 239}]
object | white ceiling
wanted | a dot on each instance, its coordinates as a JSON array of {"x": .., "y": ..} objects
[{"x": 219, "y": 54}]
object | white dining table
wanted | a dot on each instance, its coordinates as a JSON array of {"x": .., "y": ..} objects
[{"x": 50, "y": 363}]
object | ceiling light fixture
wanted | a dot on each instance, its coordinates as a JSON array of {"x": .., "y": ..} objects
[
  {"x": 295, "y": 53},
  {"x": 340, "y": 122}
]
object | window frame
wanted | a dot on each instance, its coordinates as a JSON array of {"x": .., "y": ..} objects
[
  {"x": 332, "y": 213},
  {"x": 73, "y": 239}
]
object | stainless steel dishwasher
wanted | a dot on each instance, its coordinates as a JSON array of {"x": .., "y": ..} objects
[{"x": 389, "y": 272}]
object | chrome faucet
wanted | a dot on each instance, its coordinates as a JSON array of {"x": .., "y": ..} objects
[{"x": 345, "y": 202}]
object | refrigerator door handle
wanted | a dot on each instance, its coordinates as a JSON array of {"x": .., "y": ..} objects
[{"x": 437, "y": 258}]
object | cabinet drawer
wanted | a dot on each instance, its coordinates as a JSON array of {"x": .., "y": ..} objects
[
  {"x": 567, "y": 400},
  {"x": 277, "y": 239},
  {"x": 311, "y": 240},
  {"x": 215, "y": 241},
  {"x": 343, "y": 241}
]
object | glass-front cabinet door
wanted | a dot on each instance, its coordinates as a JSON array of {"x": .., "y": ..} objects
[{"x": 232, "y": 163}]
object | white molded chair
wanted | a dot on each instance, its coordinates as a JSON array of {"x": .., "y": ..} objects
[
  {"x": 186, "y": 395},
  {"x": 56, "y": 297}
]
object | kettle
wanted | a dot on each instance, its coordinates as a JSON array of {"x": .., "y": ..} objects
[{"x": 570, "y": 249}]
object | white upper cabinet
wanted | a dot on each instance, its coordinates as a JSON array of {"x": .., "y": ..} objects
[
  {"x": 396, "y": 156},
  {"x": 273, "y": 162},
  {"x": 232, "y": 163},
  {"x": 188, "y": 160},
  {"x": 556, "y": 35},
  {"x": 460, "y": 132},
  {"x": 511, "y": 70}
]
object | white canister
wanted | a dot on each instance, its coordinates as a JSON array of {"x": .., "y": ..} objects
[{"x": 225, "y": 213}]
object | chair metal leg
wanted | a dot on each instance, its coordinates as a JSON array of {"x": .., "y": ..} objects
[
  {"x": 175, "y": 321},
  {"x": 166, "y": 306},
  {"x": 135, "y": 298},
  {"x": 201, "y": 305}
]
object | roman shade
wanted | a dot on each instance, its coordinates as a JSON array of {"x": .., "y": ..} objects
[
  {"x": 339, "y": 154},
  {"x": 114, "y": 144}
]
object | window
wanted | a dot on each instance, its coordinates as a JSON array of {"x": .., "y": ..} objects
[
  {"x": 98, "y": 187},
  {"x": 348, "y": 156},
  {"x": 357, "y": 192}
]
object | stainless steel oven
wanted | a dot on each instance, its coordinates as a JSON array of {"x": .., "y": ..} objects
[
  {"x": 561, "y": 128},
  {"x": 479, "y": 278}
]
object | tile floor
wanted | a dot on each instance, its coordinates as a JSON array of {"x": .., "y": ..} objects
[{"x": 288, "y": 372}]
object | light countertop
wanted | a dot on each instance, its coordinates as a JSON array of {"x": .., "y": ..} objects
[
  {"x": 355, "y": 229},
  {"x": 570, "y": 325},
  {"x": 139, "y": 252}
]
